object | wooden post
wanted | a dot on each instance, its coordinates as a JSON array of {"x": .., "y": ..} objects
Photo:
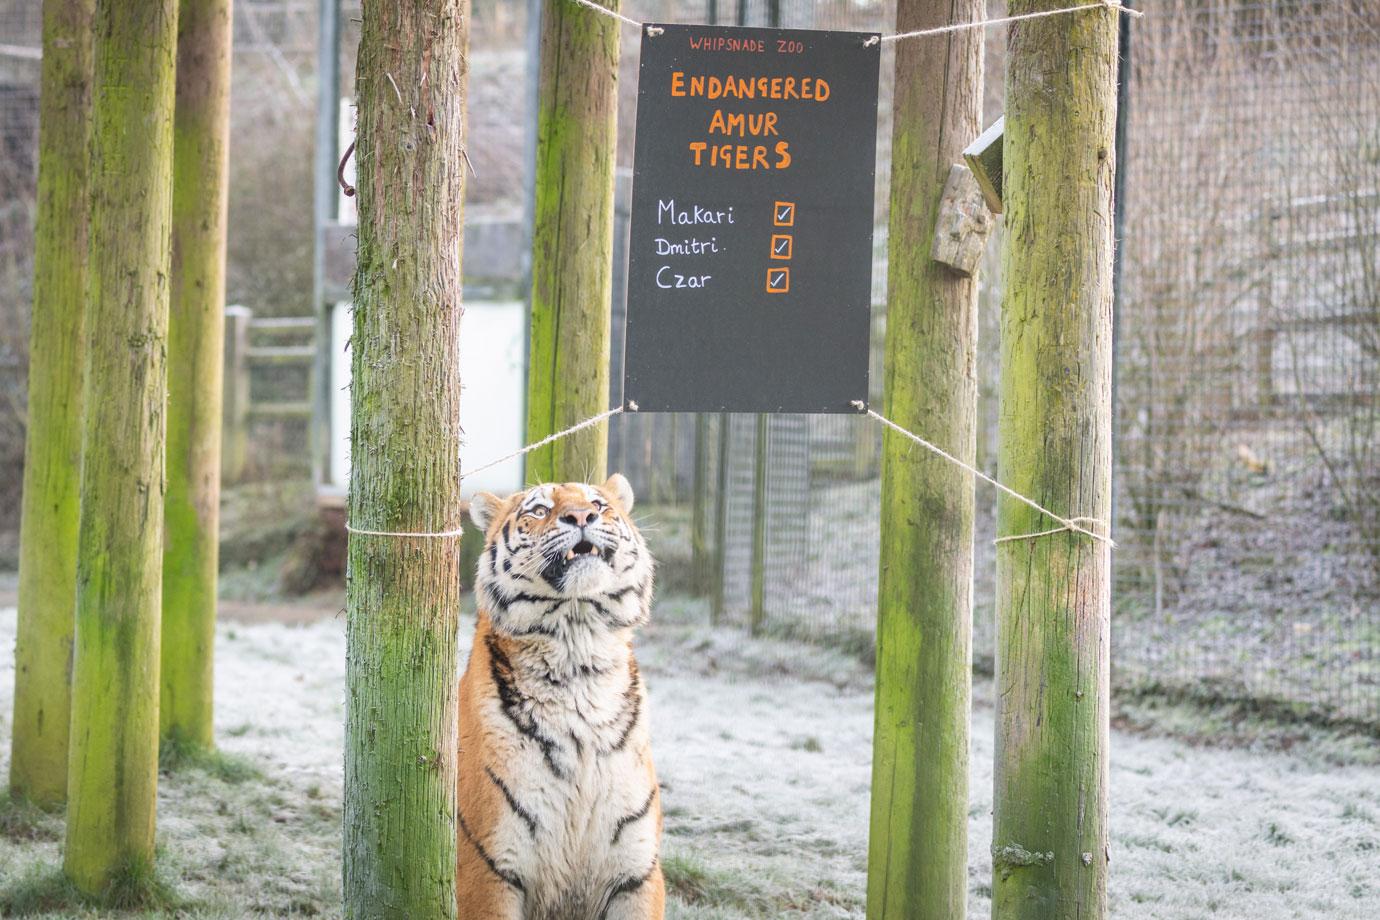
[
  {"x": 113, "y": 757},
  {"x": 1049, "y": 848},
  {"x": 403, "y": 594},
  {"x": 235, "y": 409},
  {"x": 918, "y": 852},
  {"x": 758, "y": 611},
  {"x": 52, "y": 452},
  {"x": 572, "y": 241},
  {"x": 196, "y": 323}
]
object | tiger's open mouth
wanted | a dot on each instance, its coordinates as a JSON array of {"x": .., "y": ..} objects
[
  {"x": 583, "y": 553},
  {"x": 583, "y": 548}
]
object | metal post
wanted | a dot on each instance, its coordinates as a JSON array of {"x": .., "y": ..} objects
[
  {"x": 759, "y": 469},
  {"x": 699, "y": 526},
  {"x": 327, "y": 159},
  {"x": 529, "y": 216},
  {"x": 235, "y": 402},
  {"x": 1123, "y": 115},
  {"x": 758, "y": 616},
  {"x": 721, "y": 524}
]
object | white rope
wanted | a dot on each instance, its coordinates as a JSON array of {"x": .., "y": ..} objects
[
  {"x": 1046, "y": 533},
  {"x": 579, "y": 426},
  {"x": 616, "y": 15},
  {"x": 1074, "y": 524},
  {"x": 1114, "y": 5},
  {"x": 407, "y": 533},
  {"x": 1069, "y": 523}
]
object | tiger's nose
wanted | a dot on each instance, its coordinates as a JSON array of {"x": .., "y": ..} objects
[{"x": 581, "y": 517}]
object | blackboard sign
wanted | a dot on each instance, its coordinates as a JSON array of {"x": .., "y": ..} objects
[{"x": 750, "y": 258}]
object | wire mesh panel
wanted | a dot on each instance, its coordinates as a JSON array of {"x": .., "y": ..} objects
[
  {"x": 1247, "y": 373},
  {"x": 20, "y": 28}
]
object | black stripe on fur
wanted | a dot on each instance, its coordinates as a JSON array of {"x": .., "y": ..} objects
[
  {"x": 626, "y": 885},
  {"x": 510, "y": 700},
  {"x": 638, "y": 815},
  {"x": 527, "y": 817},
  {"x": 510, "y": 878},
  {"x": 632, "y": 706}
]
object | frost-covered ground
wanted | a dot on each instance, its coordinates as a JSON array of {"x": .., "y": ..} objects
[{"x": 764, "y": 751}]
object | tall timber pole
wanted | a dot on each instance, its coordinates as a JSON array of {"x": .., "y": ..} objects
[
  {"x": 572, "y": 240},
  {"x": 918, "y": 853},
  {"x": 52, "y": 458},
  {"x": 1049, "y": 845},
  {"x": 113, "y": 756},
  {"x": 196, "y": 337},
  {"x": 403, "y": 593}
]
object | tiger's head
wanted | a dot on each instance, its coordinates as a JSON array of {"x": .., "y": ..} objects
[{"x": 558, "y": 542}]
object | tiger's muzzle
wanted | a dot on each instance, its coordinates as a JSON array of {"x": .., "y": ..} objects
[{"x": 574, "y": 548}]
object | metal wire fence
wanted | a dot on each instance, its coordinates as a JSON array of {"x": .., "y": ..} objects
[
  {"x": 1249, "y": 389},
  {"x": 1248, "y": 401},
  {"x": 20, "y": 25}
]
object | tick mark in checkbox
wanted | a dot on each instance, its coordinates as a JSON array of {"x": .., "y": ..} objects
[
  {"x": 778, "y": 280},
  {"x": 781, "y": 245},
  {"x": 783, "y": 215}
]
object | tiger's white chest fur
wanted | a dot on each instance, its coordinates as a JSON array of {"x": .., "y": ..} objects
[
  {"x": 569, "y": 726},
  {"x": 558, "y": 800}
]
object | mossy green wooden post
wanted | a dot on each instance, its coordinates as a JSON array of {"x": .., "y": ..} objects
[
  {"x": 52, "y": 458},
  {"x": 918, "y": 852},
  {"x": 403, "y": 593},
  {"x": 1053, "y": 593},
  {"x": 196, "y": 333},
  {"x": 572, "y": 241},
  {"x": 113, "y": 759}
]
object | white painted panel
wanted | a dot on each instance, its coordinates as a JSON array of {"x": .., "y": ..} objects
[
  {"x": 492, "y": 374},
  {"x": 339, "y": 471}
]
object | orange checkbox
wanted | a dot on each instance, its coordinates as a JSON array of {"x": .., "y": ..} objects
[
  {"x": 783, "y": 214},
  {"x": 781, "y": 245},
  {"x": 778, "y": 280}
]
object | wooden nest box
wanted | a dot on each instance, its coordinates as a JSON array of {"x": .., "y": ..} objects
[{"x": 984, "y": 159}]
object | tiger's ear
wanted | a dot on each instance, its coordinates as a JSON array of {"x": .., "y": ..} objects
[
  {"x": 618, "y": 486},
  {"x": 484, "y": 507}
]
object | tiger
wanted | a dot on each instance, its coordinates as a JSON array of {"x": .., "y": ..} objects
[{"x": 559, "y": 808}]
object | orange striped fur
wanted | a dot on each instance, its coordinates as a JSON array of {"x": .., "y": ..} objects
[{"x": 559, "y": 807}]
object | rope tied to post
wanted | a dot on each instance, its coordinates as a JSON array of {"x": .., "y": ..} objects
[
  {"x": 549, "y": 439},
  {"x": 1069, "y": 524},
  {"x": 1077, "y": 524},
  {"x": 1114, "y": 5}
]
